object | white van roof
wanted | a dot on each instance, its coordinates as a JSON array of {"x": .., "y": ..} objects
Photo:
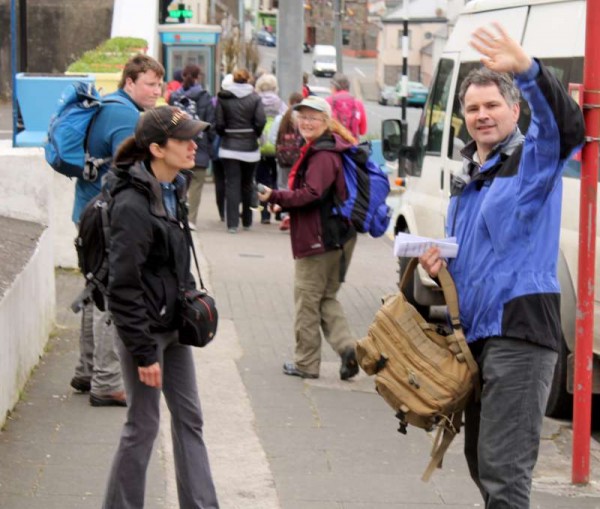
[
  {"x": 493, "y": 5},
  {"x": 531, "y": 22}
]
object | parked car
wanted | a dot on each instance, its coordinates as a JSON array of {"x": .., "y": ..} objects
[
  {"x": 417, "y": 94},
  {"x": 265, "y": 38}
]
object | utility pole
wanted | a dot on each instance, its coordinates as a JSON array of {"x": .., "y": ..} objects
[
  {"x": 290, "y": 21},
  {"x": 337, "y": 33},
  {"x": 405, "y": 41}
]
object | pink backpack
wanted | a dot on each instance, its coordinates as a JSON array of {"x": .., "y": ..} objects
[{"x": 344, "y": 110}]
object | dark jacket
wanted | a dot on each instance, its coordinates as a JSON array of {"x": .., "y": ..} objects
[
  {"x": 314, "y": 228},
  {"x": 148, "y": 256},
  {"x": 240, "y": 118},
  {"x": 506, "y": 218},
  {"x": 204, "y": 110}
]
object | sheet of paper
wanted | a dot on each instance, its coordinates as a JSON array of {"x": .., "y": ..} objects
[{"x": 408, "y": 245}]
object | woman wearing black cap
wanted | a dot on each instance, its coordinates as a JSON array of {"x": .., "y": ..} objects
[{"x": 148, "y": 257}]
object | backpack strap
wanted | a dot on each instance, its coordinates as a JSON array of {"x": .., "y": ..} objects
[
  {"x": 443, "y": 438},
  {"x": 93, "y": 165}
]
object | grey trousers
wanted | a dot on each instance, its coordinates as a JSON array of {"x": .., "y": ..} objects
[
  {"x": 127, "y": 480},
  {"x": 195, "y": 192},
  {"x": 502, "y": 431},
  {"x": 98, "y": 358},
  {"x": 316, "y": 283}
]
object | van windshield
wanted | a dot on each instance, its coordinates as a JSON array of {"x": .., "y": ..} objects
[{"x": 326, "y": 59}]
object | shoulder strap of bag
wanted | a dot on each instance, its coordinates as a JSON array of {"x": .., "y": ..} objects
[{"x": 190, "y": 241}]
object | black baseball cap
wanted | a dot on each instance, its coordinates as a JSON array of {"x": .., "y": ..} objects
[{"x": 158, "y": 124}]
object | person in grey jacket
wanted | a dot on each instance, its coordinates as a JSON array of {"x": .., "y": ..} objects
[{"x": 240, "y": 120}]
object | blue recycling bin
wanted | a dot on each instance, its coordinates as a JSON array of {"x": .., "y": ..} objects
[{"x": 37, "y": 97}]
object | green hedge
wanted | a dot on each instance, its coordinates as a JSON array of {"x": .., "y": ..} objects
[{"x": 110, "y": 56}]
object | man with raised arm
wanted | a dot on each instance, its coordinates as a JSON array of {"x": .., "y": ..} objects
[{"x": 505, "y": 211}]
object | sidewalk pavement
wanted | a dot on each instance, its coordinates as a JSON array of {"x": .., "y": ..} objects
[{"x": 274, "y": 441}]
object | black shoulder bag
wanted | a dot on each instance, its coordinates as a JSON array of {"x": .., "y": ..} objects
[{"x": 198, "y": 312}]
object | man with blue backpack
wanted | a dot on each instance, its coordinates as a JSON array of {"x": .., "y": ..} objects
[
  {"x": 326, "y": 177},
  {"x": 98, "y": 370}
]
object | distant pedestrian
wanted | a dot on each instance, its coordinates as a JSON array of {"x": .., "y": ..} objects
[
  {"x": 266, "y": 170},
  {"x": 240, "y": 120},
  {"x": 287, "y": 139},
  {"x": 174, "y": 84},
  {"x": 345, "y": 108},
  {"x": 322, "y": 242},
  {"x": 192, "y": 98},
  {"x": 305, "y": 88},
  {"x": 149, "y": 265}
]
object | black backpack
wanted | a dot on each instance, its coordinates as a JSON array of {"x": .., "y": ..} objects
[{"x": 92, "y": 244}]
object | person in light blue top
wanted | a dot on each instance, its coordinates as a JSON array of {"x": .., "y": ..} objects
[{"x": 98, "y": 370}]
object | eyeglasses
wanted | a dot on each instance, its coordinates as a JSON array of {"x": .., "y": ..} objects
[{"x": 312, "y": 120}]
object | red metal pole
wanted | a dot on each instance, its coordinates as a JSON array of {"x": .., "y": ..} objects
[{"x": 582, "y": 386}]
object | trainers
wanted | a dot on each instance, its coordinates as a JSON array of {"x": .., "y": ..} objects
[
  {"x": 114, "y": 399},
  {"x": 80, "y": 384},
  {"x": 289, "y": 368},
  {"x": 349, "y": 367}
]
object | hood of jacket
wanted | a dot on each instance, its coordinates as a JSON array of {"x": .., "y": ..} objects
[
  {"x": 505, "y": 147},
  {"x": 238, "y": 90},
  {"x": 272, "y": 103},
  {"x": 332, "y": 142},
  {"x": 139, "y": 176}
]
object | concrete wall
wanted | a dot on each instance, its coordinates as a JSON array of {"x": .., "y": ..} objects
[
  {"x": 27, "y": 312},
  {"x": 31, "y": 191},
  {"x": 58, "y": 33}
]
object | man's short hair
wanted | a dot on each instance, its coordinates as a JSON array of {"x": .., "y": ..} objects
[
  {"x": 483, "y": 77},
  {"x": 340, "y": 81},
  {"x": 140, "y": 64}
]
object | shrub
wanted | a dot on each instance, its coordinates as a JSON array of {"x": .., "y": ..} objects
[{"x": 110, "y": 56}]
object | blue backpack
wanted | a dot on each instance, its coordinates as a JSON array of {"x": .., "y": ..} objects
[
  {"x": 66, "y": 148},
  {"x": 368, "y": 187}
]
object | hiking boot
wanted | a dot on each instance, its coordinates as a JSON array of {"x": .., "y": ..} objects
[
  {"x": 114, "y": 399},
  {"x": 349, "y": 367},
  {"x": 289, "y": 368},
  {"x": 80, "y": 384}
]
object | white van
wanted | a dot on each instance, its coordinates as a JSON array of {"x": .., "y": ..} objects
[
  {"x": 324, "y": 60},
  {"x": 553, "y": 31}
]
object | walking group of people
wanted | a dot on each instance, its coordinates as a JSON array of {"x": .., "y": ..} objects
[{"x": 505, "y": 211}]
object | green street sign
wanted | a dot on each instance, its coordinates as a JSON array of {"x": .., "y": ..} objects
[{"x": 181, "y": 13}]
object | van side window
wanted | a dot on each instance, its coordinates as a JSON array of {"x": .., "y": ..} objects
[
  {"x": 435, "y": 112},
  {"x": 428, "y": 136}
]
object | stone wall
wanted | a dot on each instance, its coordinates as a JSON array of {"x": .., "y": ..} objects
[{"x": 58, "y": 33}]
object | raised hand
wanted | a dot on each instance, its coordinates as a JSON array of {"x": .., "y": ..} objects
[{"x": 500, "y": 52}]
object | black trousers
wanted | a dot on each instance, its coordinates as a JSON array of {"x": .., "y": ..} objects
[{"x": 239, "y": 176}]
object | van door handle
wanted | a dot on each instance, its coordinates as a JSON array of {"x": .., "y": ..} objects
[{"x": 442, "y": 179}]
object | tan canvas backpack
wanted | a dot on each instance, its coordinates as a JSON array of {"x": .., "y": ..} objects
[{"x": 426, "y": 375}]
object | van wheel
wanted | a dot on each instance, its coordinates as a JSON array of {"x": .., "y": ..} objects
[
  {"x": 560, "y": 402},
  {"x": 409, "y": 291}
]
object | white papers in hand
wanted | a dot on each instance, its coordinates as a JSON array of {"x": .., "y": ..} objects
[{"x": 407, "y": 245}]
